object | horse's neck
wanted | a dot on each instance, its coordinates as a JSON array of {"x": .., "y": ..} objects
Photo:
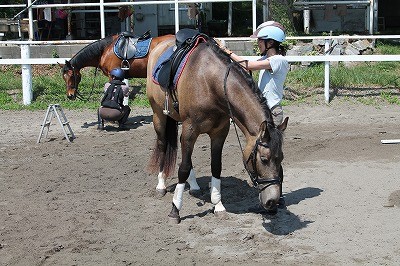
[
  {"x": 80, "y": 61},
  {"x": 248, "y": 113},
  {"x": 91, "y": 55}
]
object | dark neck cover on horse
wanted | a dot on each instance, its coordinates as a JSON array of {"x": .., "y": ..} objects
[{"x": 129, "y": 46}]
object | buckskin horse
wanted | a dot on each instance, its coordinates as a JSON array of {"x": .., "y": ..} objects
[
  {"x": 100, "y": 54},
  {"x": 210, "y": 90}
]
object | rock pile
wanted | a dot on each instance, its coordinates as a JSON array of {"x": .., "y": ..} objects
[{"x": 337, "y": 47}]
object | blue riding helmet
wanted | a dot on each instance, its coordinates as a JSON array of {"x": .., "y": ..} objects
[
  {"x": 272, "y": 32},
  {"x": 117, "y": 73},
  {"x": 264, "y": 24}
]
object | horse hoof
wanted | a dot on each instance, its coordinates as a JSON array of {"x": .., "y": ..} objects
[
  {"x": 221, "y": 215},
  {"x": 161, "y": 192},
  {"x": 174, "y": 219},
  {"x": 195, "y": 192}
]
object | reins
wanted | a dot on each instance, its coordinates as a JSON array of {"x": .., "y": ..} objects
[
  {"x": 78, "y": 94},
  {"x": 253, "y": 174}
]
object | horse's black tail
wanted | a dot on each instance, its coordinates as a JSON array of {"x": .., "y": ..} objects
[{"x": 169, "y": 148}]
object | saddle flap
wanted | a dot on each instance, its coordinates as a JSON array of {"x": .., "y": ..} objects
[{"x": 168, "y": 71}]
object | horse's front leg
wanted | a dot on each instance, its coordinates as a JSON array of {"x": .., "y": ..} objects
[{"x": 217, "y": 143}]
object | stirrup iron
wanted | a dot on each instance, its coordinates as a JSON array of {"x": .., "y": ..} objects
[
  {"x": 125, "y": 65},
  {"x": 166, "y": 105}
]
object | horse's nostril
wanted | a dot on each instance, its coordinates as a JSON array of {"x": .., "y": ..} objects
[{"x": 270, "y": 204}]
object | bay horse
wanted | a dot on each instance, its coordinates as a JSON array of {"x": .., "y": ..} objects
[
  {"x": 211, "y": 90},
  {"x": 100, "y": 54}
]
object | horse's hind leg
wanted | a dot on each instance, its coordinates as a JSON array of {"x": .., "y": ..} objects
[
  {"x": 188, "y": 138},
  {"x": 157, "y": 159},
  {"x": 194, "y": 187}
]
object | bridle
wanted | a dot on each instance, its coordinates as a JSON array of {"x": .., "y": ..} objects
[
  {"x": 75, "y": 87},
  {"x": 254, "y": 176},
  {"x": 260, "y": 183}
]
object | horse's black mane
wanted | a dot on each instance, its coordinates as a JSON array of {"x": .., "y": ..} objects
[{"x": 93, "y": 50}]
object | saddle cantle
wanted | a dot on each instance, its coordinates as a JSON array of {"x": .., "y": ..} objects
[{"x": 130, "y": 46}]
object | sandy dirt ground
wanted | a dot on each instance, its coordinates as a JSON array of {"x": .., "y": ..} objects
[{"x": 91, "y": 202}]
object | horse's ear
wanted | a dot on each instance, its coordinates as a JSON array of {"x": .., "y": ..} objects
[
  {"x": 283, "y": 126},
  {"x": 264, "y": 131},
  {"x": 68, "y": 63}
]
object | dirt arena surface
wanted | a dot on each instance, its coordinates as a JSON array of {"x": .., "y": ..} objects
[{"x": 91, "y": 202}]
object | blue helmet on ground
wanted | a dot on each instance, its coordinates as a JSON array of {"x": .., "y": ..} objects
[
  {"x": 272, "y": 32},
  {"x": 117, "y": 73}
]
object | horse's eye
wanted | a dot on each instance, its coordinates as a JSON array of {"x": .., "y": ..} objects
[{"x": 264, "y": 159}]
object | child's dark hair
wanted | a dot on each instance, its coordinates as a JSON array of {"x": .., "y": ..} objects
[{"x": 280, "y": 48}]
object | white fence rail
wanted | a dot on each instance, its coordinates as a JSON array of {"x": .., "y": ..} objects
[
  {"x": 31, "y": 5},
  {"x": 26, "y": 61}
]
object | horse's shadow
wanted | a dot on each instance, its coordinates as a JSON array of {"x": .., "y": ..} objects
[
  {"x": 239, "y": 197},
  {"x": 131, "y": 123}
]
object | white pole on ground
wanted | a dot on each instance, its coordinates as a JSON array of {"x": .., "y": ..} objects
[
  {"x": 390, "y": 141},
  {"x": 327, "y": 41},
  {"x": 26, "y": 75}
]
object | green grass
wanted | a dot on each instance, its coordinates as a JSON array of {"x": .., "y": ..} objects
[
  {"x": 360, "y": 81},
  {"x": 49, "y": 88},
  {"x": 305, "y": 84}
]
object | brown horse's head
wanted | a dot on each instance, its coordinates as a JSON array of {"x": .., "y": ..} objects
[
  {"x": 263, "y": 162},
  {"x": 72, "y": 77},
  {"x": 124, "y": 12}
]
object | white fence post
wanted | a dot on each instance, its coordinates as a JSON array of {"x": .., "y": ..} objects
[
  {"x": 26, "y": 75},
  {"x": 327, "y": 63}
]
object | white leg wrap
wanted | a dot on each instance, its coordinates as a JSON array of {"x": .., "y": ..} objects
[
  {"x": 216, "y": 194},
  {"x": 161, "y": 181},
  {"x": 178, "y": 196},
  {"x": 192, "y": 181}
]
